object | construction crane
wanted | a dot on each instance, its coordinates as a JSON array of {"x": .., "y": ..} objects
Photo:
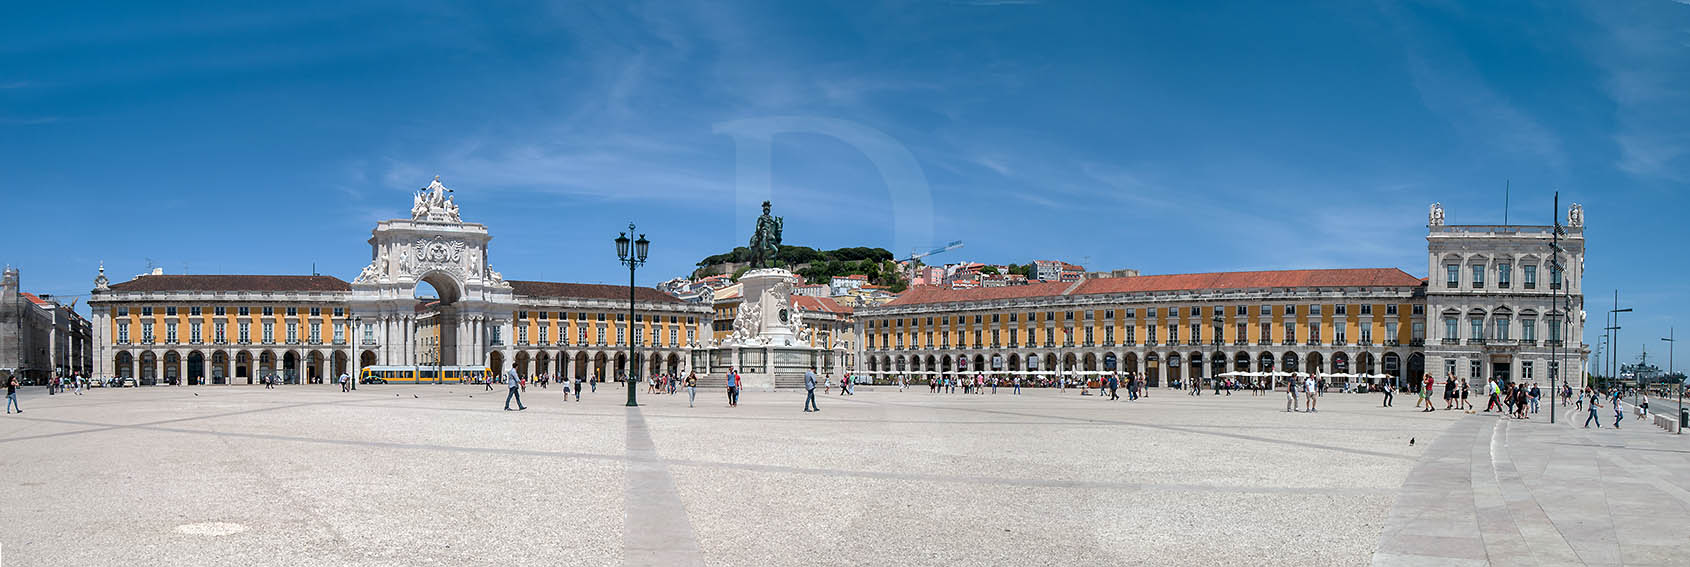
[
  {"x": 955, "y": 244},
  {"x": 910, "y": 264}
]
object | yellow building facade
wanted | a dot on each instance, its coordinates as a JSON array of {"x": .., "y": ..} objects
[{"x": 1167, "y": 329}]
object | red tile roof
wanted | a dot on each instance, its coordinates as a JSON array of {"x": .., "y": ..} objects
[
  {"x": 1362, "y": 277},
  {"x": 934, "y": 294},
  {"x": 588, "y": 291},
  {"x": 33, "y": 299},
  {"x": 212, "y": 282},
  {"x": 825, "y": 304},
  {"x": 1358, "y": 277}
]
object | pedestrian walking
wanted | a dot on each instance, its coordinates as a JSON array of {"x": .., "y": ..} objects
[
  {"x": 12, "y": 395},
  {"x": 810, "y": 391},
  {"x": 1388, "y": 394},
  {"x": 1592, "y": 417},
  {"x": 733, "y": 387},
  {"x": 1426, "y": 385},
  {"x": 513, "y": 382},
  {"x": 1291, "y": 394},
  {"x": 1619, "y": 409},
  {"x": 692, "y": 388},
  {"x": 1114, "y": 387},
  {"x": 1309, "y": 390},
  {"x": 1536, "y": 394},
  {"x": 578, "y": 381}
]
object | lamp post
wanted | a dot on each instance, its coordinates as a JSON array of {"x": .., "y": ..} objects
[
  {"x": 1677, "y": 384},
  {"x": 633, "y": 259},
  {"x": 1614, "y": 344},
  {"x": 356, "y": 342}
]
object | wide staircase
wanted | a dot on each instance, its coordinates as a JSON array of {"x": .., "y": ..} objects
[{"x": 782, "y": 381}]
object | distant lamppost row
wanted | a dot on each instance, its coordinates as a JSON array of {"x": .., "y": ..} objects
[
  {"x": 1676, "y": 383},
  {"x": 632, "y": 259},
  {"x": 1614, "y": 343}
]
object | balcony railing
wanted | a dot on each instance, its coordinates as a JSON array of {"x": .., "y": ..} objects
[
  {"x": 1240, "y": 342},
  {"x": 1417, "y": 342},
  {"x": 1288, "y": 342},
  {"x": 1452, "y": 341},
  {"x": 1475, "y": 341},
  {"x": 1264, "y": 342}
]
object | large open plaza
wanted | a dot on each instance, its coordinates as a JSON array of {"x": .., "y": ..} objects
[
  {"x": 441, "y": 474},
  {"x": 1114, "y": 283}
]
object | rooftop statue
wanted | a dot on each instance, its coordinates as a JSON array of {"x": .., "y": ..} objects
[
  {"x": 433, "y": 203},
  {"x": 765, "y": 243}
]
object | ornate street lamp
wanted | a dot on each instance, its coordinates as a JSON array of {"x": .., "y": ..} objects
[{"x": 632, "y": 259}]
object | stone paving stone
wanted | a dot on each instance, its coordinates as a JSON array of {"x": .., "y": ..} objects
[
  {"x": 307, "y": 476},
  {"x": 1547, "y": 494}
]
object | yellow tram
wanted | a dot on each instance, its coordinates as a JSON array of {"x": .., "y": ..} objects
[{"x": 423, "y": 374}]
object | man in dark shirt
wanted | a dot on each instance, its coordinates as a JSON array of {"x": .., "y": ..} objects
[
  {"x": 810, "y": 391},
  {"x": 12, "y": 395}
]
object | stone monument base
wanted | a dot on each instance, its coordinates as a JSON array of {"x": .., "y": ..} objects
[{"x": 761, "y": 368}]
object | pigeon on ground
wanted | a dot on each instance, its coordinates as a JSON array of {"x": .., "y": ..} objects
[
  {"x": 196, "y": 394},
  {"x": 1411, "y": 441},
  {"x": 413, "y": 395}
]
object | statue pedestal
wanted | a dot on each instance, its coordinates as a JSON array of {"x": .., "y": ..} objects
[
  {"x": 778, "y": 324},
  {"x": 774, "y": 355}
]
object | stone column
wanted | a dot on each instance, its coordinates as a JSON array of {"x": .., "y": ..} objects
[{"x": 102, "y": 352}]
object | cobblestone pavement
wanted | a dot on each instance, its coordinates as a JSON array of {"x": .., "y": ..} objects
[
  {"x": 412, "y": 475},
  {"x": 1498, "y": 491}
]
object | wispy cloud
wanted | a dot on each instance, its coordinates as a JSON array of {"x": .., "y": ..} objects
[
  {"x": 1451, "y": 86},
  {"x": 29, "y": 121},
  {"x": 1646, "y": 64}
]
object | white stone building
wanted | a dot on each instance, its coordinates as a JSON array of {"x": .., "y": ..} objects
[{"x": 1497, "y": 306}]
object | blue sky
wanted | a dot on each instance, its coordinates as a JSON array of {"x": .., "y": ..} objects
[{"x": 236, "y": 139}]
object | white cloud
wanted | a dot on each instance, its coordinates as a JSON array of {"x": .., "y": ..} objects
[
  {"x": 1647, "y": 68},
  {"x": 1451, "y": 86}
]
